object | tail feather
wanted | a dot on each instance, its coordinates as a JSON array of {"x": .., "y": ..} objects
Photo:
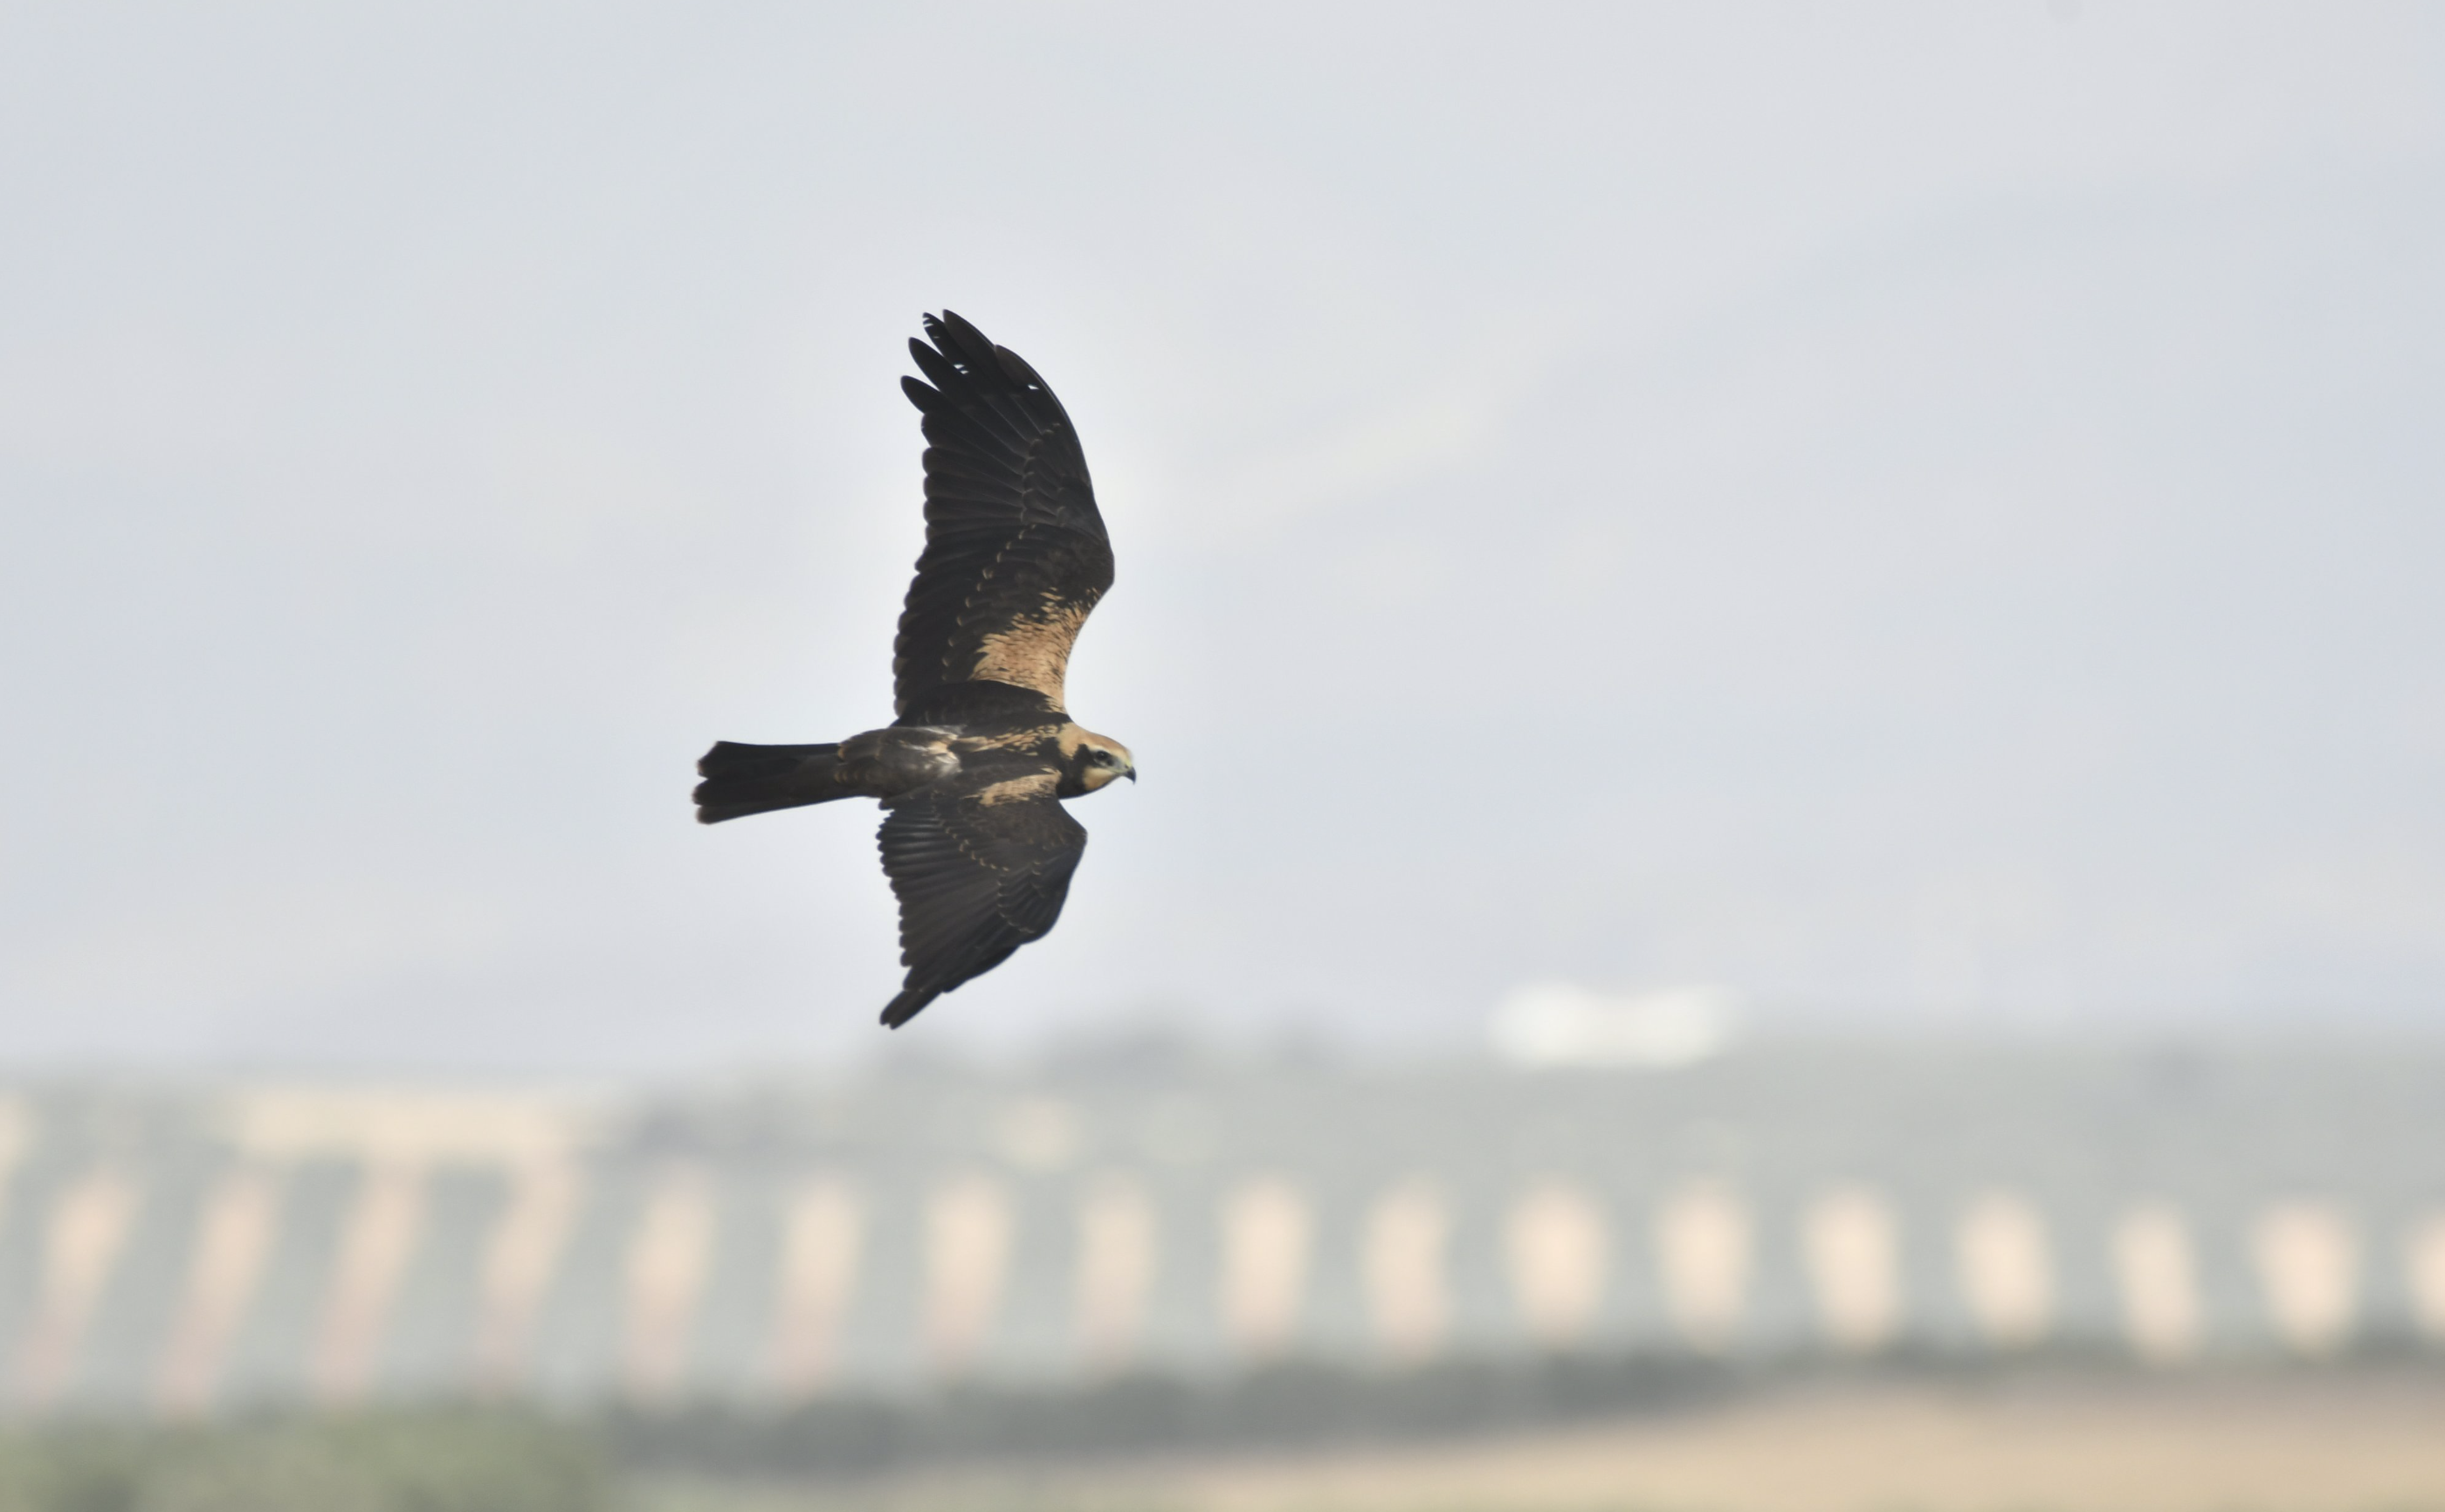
[{"x": 742, "y": 780}]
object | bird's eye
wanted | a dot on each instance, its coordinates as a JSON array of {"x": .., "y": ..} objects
[{"x": 1103, "y": 758}]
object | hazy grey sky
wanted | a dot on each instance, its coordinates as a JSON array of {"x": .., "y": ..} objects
[{"x": 1930, "y": 512}]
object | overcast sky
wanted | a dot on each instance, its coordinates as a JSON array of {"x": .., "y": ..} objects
[{"x": 1925, "y": 515}]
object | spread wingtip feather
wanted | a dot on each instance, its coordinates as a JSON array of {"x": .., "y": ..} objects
[{"x": 907, "y": 1006}]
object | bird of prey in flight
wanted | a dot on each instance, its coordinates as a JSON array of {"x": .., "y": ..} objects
[{"x": 979, "y": 752}]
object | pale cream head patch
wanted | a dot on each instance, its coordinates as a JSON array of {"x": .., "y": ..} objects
[{"x": 1095, "y": 774}]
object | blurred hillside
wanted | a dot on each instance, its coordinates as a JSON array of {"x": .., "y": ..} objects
[{"x": 1137, "y": 1213}]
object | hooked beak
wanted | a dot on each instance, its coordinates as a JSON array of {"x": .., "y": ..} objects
[{"x": 1132, "y": 773}]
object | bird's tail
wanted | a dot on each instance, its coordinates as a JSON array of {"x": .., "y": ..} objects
[{"x": 744, "y": 779}]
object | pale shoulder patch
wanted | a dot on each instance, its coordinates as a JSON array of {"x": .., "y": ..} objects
[
  {"x": 1008, "y": 740},
  {"x": 1019, "y": 790},
  {"x": 1035, "y": 652}
]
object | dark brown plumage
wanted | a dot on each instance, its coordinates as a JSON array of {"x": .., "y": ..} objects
[{"x": 973, "y": 769}]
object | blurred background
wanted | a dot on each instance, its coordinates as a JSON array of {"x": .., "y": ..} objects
[{"x": 1785, "y": 659}]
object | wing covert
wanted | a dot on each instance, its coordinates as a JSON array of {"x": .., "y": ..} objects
[
  {"x": 1015, "y": 555},
  {"x": 980, "y": 867}
]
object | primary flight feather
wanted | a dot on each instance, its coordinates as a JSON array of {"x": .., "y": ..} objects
[{"x": 980, "y": 752}]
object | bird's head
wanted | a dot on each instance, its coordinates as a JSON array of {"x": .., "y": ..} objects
[{"x": 1095, "y": 760}]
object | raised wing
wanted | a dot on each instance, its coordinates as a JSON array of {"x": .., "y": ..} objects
[
  {"x": 1015, "y": 555},
  {"x": 980, "y": 867}
]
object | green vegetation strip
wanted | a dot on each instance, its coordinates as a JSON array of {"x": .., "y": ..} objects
[{"x": 392, "y": 1461}]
